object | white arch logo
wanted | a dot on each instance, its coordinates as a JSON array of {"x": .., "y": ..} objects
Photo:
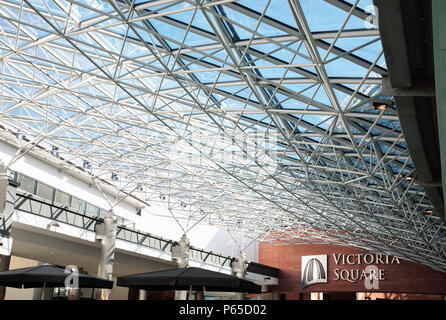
[{"x": 314, "y": 270}]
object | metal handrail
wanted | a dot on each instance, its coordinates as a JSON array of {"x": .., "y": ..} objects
[{"x": 66, "y": 215}]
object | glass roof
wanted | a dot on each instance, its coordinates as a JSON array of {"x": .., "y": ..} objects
[{"x": 256, "y": 116}]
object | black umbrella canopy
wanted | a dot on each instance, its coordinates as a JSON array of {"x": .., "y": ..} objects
[
  {"x": 186, "y": 278},
  {"x": 51, "y": 276}
]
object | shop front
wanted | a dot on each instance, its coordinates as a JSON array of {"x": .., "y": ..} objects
[{"x": 319, "y": 272}]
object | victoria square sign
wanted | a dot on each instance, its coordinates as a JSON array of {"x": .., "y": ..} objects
[{"x": 348, "y": 267}]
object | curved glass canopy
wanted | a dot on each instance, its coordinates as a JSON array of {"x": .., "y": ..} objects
[{"x": 264, "y": 117}]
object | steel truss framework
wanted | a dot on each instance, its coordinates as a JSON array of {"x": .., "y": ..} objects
[{"x": 253, "y": 115}]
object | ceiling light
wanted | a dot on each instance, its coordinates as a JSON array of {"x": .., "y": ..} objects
[
  {"x": 379, "y": 107},
  {"x": 114, "y": 176},
  {"x": 86, "y": 164},
  {"x": 55, "y": 151},
  {"x": 382, "y": 104}
]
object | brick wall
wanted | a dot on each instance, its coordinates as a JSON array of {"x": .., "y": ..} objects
[{"x": 405, "y": 277}]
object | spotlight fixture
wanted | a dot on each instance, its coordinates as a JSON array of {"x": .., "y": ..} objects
[
  {"x": 20, "y": 136},
  {"x": 427, "y": 211},
  {"x": 86, "y": 164},
  {"x": 55, "y": 151},
  {"x": 408, "y": 178}
]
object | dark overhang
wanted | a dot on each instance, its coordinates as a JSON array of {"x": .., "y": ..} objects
[
  {"x": 263, "y": 269},
  {"x": 406, "y": 35}
]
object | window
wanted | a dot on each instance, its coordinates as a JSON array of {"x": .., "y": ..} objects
[
  {"x": 78, "y": 205},
  {"x": 27, "y": 184},
  {"x": 92, "y": 210},
  {"x": 45, "y": 191},
  {"x": 102, "y": 213},
  {"x": 62, "y": 198}
]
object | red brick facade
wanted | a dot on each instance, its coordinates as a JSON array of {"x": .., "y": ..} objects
[{"x": 402, "y": 277}]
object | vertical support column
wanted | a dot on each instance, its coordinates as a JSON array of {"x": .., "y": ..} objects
[
  {"x": 43, "y": 293},
  {"x": 3, "y": 190},
  {"x": 180, "y": 254},
  {"x": 108, "y": 239},
  {"x": 48, "y": 293},
  {"x": 199, "y": 295},
  {"x": 4, "y": 266},
  {"x": 74, "y": 294},
  {"x": 133, "y": 294},
  {"x": 142, "y": 294},
  {"x": 439, "y": 41},
  {"x": 239, "y": 270},
  {"x": 8, "y": 195}
]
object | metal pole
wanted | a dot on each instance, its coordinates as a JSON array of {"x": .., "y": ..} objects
[
  {"x": 4, "y": 266},
  {"x": 3, "y": 190},
  {"x": 199, "y": 295},
  {"x": 43, "y": 290}
]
